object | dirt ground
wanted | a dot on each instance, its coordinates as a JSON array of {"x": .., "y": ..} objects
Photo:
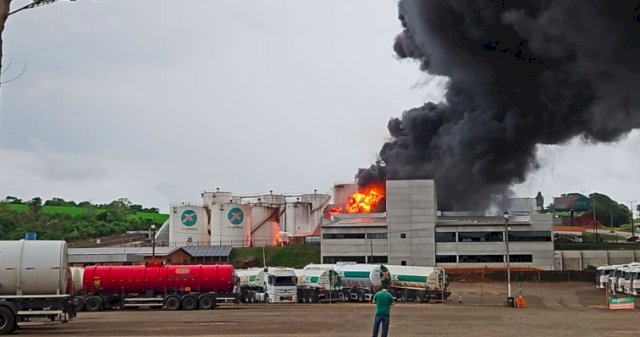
[{"x": 567, "y": 309}]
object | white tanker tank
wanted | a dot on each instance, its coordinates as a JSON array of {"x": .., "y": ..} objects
[
  {"x": 415, "y": 283},
  {"x": 359, "y": 281},
  {"x": 318, "y": 284},
  {"x": 35, "y": 277},
  {"x": 34, "y": 268}
]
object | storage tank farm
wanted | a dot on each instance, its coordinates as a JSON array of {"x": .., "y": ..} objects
[
  {"x": 188, "y": 225},
  {"x": 230, "y": 221}
]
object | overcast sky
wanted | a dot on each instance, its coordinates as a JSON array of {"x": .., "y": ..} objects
[{"x": 157, "y": 101}]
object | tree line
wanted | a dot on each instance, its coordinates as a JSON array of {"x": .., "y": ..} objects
[{"x": 79, "y": 221}]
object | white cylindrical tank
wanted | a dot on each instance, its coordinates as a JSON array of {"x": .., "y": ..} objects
[
  {"x": 188, "y": 226},
  {"x": 216, "y": 198},
  {"x": 414, "y": 277},
  {"x": 34, "y": 268},
  {"x": 342, "y": 193},
  {"x": 265, "y": 225},
  {"x": 231, "y": 225},
  {"x": 297, "y": 218},
  {"x": 77, "y": 274},
  {"x": 272, "y": 199},
  {"x": 370, "y": 276},
  {"x": 318, "y": 203}
]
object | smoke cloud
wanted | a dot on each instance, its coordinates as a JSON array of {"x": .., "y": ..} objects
[{"x": 521, "y": 73}]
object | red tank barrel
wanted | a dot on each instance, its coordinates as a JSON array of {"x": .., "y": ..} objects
[{"x": 159, "y": 279}]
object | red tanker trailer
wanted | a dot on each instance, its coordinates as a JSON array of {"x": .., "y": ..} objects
[{"x": 172, "y": 287}]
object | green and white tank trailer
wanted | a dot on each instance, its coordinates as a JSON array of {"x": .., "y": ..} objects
[
  {"x": 416, "y": 283},
  {"x": 359, "y": 281},
  {"x": 268, "y": 285},
  {"x": 318, "y": 285}
]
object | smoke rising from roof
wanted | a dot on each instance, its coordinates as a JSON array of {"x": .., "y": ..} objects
[{"x": 521, "y": 73}]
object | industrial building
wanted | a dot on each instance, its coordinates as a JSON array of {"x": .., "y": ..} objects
[
  {"x": 242, "y": 221},
  {"x": 413, "y": 232}
]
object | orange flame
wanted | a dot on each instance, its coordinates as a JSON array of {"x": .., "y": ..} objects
[{"x": 365, "y": 199}]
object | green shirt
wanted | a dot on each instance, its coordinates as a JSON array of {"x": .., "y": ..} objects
[{"x": 383, "y": 302}]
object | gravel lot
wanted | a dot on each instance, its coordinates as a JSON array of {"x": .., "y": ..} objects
[{"x": 567, "y": 309}]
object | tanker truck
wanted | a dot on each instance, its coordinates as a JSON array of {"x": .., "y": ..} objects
[
  {"x": 172, "y": 287},
  {"x": 267, "y": 285},
  {"x": 35, "y": 284},
  {"x": 359, "y": 281},
  {"x": 318, "y": 285},
  {"x": 412, "y": 283}
]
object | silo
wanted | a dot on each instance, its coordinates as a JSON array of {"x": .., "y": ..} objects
[
  {"x": 265, "y": 224},
  {"x": 216, "y": 198},
  {"x": 298, "y": 218},
  {"x": 318, "y": 203},
  {"x": 272, "y": 199},
  {"x": 231, "y": 225},
  {"x": 342, "y": 193},
  {"x": 188, "y": 226}
]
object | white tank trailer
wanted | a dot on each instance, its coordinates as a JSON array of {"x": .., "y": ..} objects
[
  {"x": 77, "y": 274},
  {"x": 318, "y": 285},
  {"x": 359, "y": 281},
  {"x": 35, "y": 283},
  {"x": 267, "y": 285},
  {"x": 413, "y": 283}
]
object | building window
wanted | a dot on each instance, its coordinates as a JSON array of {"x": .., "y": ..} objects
[
  {"x": 377, "y": 259},
  {"x": 403, "y": 263},
  {"x": 376, "y": 235},
  {"x": 445, "y": 236},
  {"x": 335, "y": 259},
  {"x": 446, "y": 259},
  {"x": 481, "y": 258},
  {"x": 529, "y": 236},
  {"x": 520, "y": 258},
  {"x": 330, "y": 236},
  {"x": 403, "y": 235},
  {"x": 479, "y": 236}
]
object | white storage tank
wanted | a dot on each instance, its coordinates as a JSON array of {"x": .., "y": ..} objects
[
  {"x": 297, "y": 218},
  {"x": 342, "y": 193},
  {"x": 265, "y": 225},
  {"x": 272, "y": 199},
  {"x": 77, "y": 274},
  {"x": 34, "y": 268},
  {"x": 318, "y": 203},
  {"x": 216, "y": 198},
  {"x": 189, "y": 226},
  {"x": 231, "y": 225}
]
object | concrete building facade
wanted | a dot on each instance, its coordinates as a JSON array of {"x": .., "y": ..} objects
[{"x": 413, "y": 232}]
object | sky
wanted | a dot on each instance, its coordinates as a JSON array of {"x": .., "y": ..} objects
[{"x": 159, "y": 101}]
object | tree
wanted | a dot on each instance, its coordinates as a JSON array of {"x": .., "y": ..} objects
[
  {"x": 5, "y": 12},
  {"x": 609, "y": 211}
]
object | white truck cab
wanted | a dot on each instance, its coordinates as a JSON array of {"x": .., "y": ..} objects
[
  {"x": 268, "y": 284},
  {"x": 602, "y": 276},
  {"x": 635, "y": 280}
]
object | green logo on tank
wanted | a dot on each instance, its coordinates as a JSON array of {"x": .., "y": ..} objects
[
  {"x": 189, "y": 218},
  {"x": 236, "y": 216}
]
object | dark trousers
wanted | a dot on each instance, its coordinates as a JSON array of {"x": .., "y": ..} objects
[{"x": 384, "y": 319}]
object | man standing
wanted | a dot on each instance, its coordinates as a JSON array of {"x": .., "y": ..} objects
[{"x": 383, "y": 301}]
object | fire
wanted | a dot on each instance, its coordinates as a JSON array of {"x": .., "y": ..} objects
[{"x": 365, "y": 199}]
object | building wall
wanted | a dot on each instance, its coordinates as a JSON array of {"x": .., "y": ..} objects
[
  {"x": 582, "y": 259},
  {"x": 411, "y": 217},
  {"x": 364, "y": 247}
]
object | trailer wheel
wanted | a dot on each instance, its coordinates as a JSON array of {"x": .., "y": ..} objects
[
  {"x": 347, "y": 296},
  {"x": 207, "y": 302},
  {"x": 93, "y": 303},
  {"x": 7, "y": 321},
  {"x": 360, "y": 296},
  {"x": 189, "y": 302},
  {"x": 266, "y": 298},
  {"x": 172, "y": 303},
  {"x": 314, "y": 297},
  {"x": 78, "y": 302}
]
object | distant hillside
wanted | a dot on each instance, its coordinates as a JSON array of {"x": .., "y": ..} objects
[{"x": 58, "y": 219}]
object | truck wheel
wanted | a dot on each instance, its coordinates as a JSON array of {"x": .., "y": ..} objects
[
  {"x": 299, "y": 296},
  {"x": 78, "y": 302},
  {"x": 172, "y": 303},
  {"x": 360, "y": 296},
  {"x": 189, "y": 302},
  {"x": 314, "y": 297},
  {"x": 7, "y": 321},
  {"x": 266, "y": 298},
  {"x": 207, "y": 302},
  {"x": 347, "y": 296},
  {"x": 93, "y": 303}
]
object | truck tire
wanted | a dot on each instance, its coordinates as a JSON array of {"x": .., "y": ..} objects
[
  {"x": 314, "y": 297},
  {"x": 93, "y": 303},
  {"x": 78, "y": 302},
  {"x": 347, "y": 296},
  {"x": 189, "y": 302},
  {"x": 360, "y": 296},
  {"x": 266, "y": 298},
  {"x": 172, "y": 303},
  {"x": 300, "y": 295},
  {"x": 7, "y": 321},
  {"x": 207, "y": 302}
]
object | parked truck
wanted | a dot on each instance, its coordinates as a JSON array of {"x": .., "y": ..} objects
[
  {"x": 635, "y": 280},
  {"x": 172, "y": 287},
  {"x": 602, "y": 276},
  {"x": 267, "y": 285},
  {"x": 318, "y": 285},
  {"x": 35, "y": 284},
  {"x": 413, "y": 283},
  {"x": 359, "y": 281}
]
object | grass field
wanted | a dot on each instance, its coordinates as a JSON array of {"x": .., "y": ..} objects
[
  {"x": 287, "y": 256},
  {"x": 76, "y": 211}
]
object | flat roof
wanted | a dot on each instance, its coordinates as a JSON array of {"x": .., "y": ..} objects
[{"x": 144, "y": 251}]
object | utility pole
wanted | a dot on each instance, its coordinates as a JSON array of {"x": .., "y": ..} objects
[
  {"x": 633, "y": 229},
  {"x": 595, "y": 223},
  {"x": 506, "y": 241}
]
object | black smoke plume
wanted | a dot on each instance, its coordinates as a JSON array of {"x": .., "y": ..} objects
[{"x": 521, "y": 73}]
